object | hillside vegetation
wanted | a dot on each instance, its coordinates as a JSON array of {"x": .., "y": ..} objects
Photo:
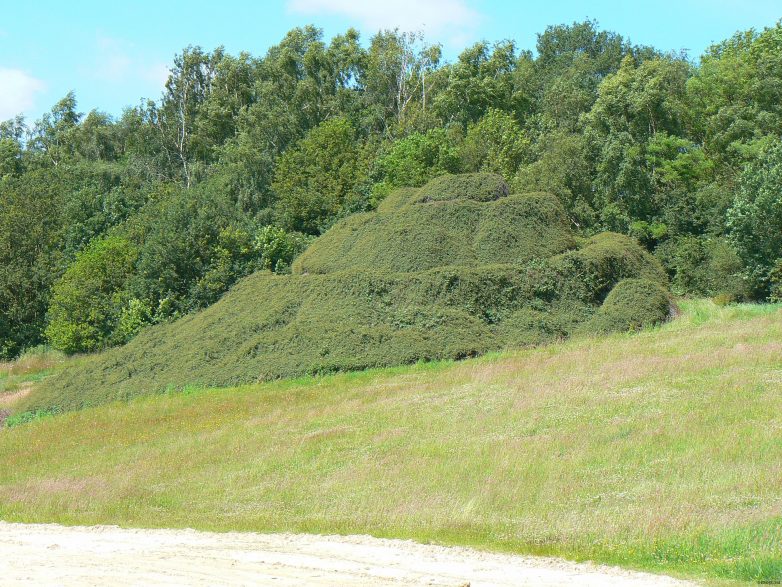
[
  {"x": 659, "y": 450},
  {"x": 109, "y": 225},
  {"x": 448, "y": 274}
]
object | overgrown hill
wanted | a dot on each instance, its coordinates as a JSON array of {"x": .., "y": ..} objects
[
  {"x": 455, "y": 269},
  {"x": 465, "y": 220}
]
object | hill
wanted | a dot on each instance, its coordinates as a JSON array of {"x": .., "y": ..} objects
[
  {"x": 456, "y": 269},
  {"x": 659, "y": 450}
]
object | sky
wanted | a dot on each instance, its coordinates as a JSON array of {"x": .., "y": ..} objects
[{"x": 113, "y": 54}]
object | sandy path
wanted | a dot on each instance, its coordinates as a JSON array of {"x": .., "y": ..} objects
[{"x": 47, "y": 554}]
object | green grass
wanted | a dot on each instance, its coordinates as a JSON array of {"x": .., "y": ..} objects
[
  {"x": 19, "y": 377},
  {"x": 660, "y": 450}
]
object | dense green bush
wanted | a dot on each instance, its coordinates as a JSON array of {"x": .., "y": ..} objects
[
  {"x": 632, "y": 304},
  {"x": 454, "y": 230},
  {"x": 495, "y": 144},
  {"x": 88, "y": 301},
  {"x": 416, "y": 158},
  {"x": 481, "y": 187},
  {"x": 278, "y": 247},
  {"x": 320, "y": 178},
  {"x": 701, "y": 266},
  {"x": 755, "y": 219},
  {"x": 466, "y": 278}
]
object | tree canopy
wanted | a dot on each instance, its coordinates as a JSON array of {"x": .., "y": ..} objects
[{"x": 243, "y": 159}]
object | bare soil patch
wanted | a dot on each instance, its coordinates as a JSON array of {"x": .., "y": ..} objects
[{"x": 47, "y": 554}]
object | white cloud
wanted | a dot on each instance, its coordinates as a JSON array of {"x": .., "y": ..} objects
[
  {"x": 113, "y": 63},
  {"x": 18, "y": 90},
  {"x": 119, "y": 61},
  {"x": 452, "y": 18},
  {"x": 157, "y": 73}
]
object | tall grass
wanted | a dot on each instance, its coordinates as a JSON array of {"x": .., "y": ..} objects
[
  {"x": 17, "y": 379},
  {"x": 660, "y": 450}
]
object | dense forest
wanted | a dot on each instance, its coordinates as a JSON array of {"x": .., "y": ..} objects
[{"x": 107, "y": 225}]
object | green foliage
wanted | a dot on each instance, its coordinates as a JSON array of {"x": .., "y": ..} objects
[
  {"x": 639, "y": 105},
  {"x": 133, "y": 317},
  {"x": 703, "y": 266},
  {"x": 278, "y": 247},
  {"x": 775, "y": 282},
  {"x": 632, "y": 304},
  {"x": 193, "y": 245},
  {"x": 415, "y": 159},
  {"x": 495, "y": 144},
  {"x": 572, "y": 62},
  {"x": 319, "y": 179},
  {"x": 563, "y": 168},
  {"x": 21, "y": 418},
  {"x": 736, "y": 96},
  {"x": 453, "y": 220},
  {"x": 88, "y": 301},
  {"x": 481, "y": 187},
  {"x": 755, "y": 219},
  {"x": 485, "y": 274},
  {"x": 484, "y": 76},
  {"x": 30, "y": 227},
  {"x": 648, "y": 234}
]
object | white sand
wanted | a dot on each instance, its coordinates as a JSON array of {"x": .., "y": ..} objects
[{"x": 47, "y": 554}]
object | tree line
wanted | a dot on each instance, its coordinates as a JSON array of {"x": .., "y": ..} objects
[{"x": 109, "y": 224}]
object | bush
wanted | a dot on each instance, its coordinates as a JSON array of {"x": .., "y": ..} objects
[
  {"x": 481, "y": 187},
  {"x": 88, "y": 300},
  {"x": 703, "y": 267},
  {"x": 410, "y": 235},
  {"x": 278, "y": 248},
  {"x": 723, "y": 299},
  {"x": 318, "y": 179},
  {"x": 755, "y": 219},
  {"x": 648, "y": 234},
  {"x": 496, "y": 143},
  {"x": 134, "y": 316},
  {"x": 631, "y": 305},
  {"x": 775, "y": 282},
  {"x": 413, "y": 160},
  {"x": 422, "y": 281}
]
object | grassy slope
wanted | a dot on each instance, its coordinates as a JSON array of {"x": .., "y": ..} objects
[
  {"x": 661, "y": 450},
  {"x": 18, "y": 378}
]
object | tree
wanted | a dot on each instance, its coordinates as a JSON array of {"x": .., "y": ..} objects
[
  {"x": 415, "y": 159},
  {"x": 496, "y": 143},
  {"x": 483, "y": 77},
  {"x": 755, "y": 219},
  {"x": 398, "y": 78},
  {"x": 52, "y": 136},
  {"x": 187, "y": 89},
  {"x": 736, "y": 94},
  {"x": 634, "y": 105},
  {"x": 88, "y": 301},
  {"x": 318, "y": 180}
]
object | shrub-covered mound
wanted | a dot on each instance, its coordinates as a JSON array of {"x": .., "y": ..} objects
[
  {"x": 432, "y": 277},
  {"x": 632, "y": 304},
  {"x": 477, "y": 224}
]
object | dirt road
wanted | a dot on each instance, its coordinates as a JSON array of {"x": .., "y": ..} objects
[{"x": 105, "y": 555}]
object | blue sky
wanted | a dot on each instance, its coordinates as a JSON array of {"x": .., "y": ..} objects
[{"x": 114, "y": 53}]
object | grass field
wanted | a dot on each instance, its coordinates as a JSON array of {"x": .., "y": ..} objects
[
  {"x": 18, "y": 378},
  {"x": 660, "y": 451}
]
